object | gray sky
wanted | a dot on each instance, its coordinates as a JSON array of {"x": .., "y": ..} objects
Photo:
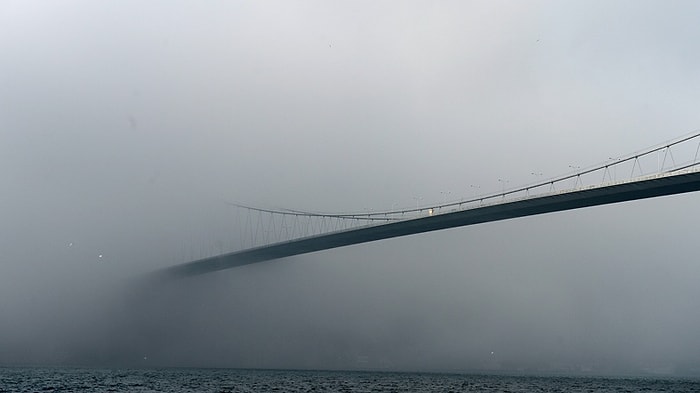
[{"x": 124, "y": 127}]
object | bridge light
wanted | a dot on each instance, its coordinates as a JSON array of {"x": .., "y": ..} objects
[{"x": 430, "y": 211}]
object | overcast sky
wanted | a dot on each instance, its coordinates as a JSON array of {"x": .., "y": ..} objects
[{"x": 126, "y": 126}]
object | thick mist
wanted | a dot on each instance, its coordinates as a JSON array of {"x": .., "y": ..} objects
[{"x": 126, "y": 128}]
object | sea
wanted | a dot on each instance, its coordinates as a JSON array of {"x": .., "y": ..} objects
[{"x": 177, "y": 380}]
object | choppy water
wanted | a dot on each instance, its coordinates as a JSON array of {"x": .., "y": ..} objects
[{"x": 226, "y": 380}]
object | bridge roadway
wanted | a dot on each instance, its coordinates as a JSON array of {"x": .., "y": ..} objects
[{"x": 648, "y": 187}]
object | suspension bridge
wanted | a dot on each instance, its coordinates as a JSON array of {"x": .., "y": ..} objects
[{"x": 665, "y": 169}]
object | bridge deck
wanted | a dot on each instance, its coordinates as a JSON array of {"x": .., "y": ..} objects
[{"x": 661, "y": 185}]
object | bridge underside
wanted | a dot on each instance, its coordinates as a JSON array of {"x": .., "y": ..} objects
[{"x": 665, "y": 185}]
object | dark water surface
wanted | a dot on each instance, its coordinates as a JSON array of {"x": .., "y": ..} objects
[{"x": 228, "y": 380}]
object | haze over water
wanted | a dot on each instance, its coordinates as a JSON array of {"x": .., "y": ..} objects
[{"x": 126, "y": 129}]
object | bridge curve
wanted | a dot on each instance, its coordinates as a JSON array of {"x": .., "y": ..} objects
[{"x": 668, "y": 183}]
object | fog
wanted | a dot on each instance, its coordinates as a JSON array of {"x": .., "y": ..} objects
[{"x": 126, "y": 128}]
